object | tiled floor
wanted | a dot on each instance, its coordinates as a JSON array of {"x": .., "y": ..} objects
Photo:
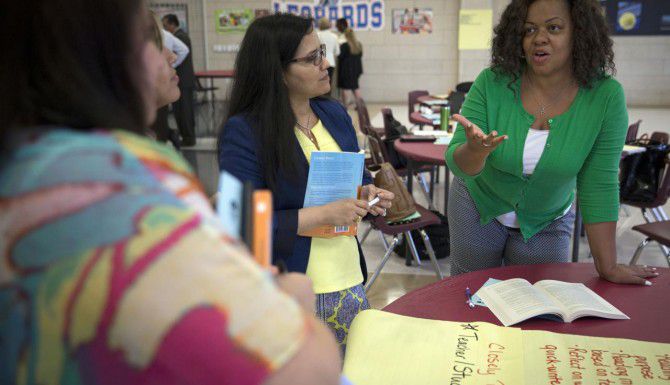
[{"x": 398, "y": 279}]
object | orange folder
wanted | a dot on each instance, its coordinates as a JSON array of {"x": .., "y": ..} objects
[{"x": 330, "y": 231}]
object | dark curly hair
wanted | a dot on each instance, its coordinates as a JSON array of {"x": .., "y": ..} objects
[{"x": 592, "y": 54}]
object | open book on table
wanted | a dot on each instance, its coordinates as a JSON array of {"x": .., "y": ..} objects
[{"x": 516, "y": 300}]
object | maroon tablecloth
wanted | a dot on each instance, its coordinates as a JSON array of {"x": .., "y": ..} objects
[
  {"x": 424, "y": 152},
  {"x": 647, "y": 306}
]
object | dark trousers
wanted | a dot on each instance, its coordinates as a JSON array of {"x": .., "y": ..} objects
[
  {"x": 184, "y": 115},
  {"x": 162, "y": 130}
]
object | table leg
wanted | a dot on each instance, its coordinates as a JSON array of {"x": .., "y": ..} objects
[
  {"x": 433, "y": 174},
  {"x": 410, "y": 183},
  {"x": 576, "y": 233},
  {"x": 410, "y": 175}
]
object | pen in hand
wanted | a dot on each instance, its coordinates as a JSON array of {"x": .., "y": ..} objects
[{"x": 468, "y": 296}]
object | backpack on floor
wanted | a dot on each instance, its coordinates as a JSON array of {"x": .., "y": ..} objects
[{"x": 439, "y": 238}]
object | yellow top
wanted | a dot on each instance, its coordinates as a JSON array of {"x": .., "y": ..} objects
[{"x": 333, "y": 263}]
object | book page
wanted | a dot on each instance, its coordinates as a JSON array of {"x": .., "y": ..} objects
[
  {"x": 515, "y": 300},
  {"x": 577, "y": 299}
]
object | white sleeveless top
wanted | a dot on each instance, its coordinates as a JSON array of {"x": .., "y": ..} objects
[{"x": 532, "y": 151}]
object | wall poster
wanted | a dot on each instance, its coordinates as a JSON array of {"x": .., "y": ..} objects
[
  {"x": 233, "y": 20},
  {"x": 412, "y": 20},
  {"x": 641, "y": 17}
]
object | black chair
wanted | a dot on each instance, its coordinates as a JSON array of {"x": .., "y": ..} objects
[
  {"x": 655, "y": 208},
  {"x": 631, "y": 135},
  {"x": 655, "y": 231},
  {"x": 464, "y": 87}
]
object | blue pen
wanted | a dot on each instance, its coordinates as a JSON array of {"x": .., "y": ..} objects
[{"x": 468, "y": 295}]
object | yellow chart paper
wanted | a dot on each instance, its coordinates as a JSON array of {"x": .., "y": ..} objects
[
  {"x": 552, "y": 358},
  {"x": 474, "y": 29},
  {"x": 385, "y": 348}
]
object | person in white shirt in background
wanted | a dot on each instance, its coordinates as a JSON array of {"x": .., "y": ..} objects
[
  {"x": 161, "y": 127},
  {"x": 330, "y": 39},
  {"x": 175, "y": 45}
]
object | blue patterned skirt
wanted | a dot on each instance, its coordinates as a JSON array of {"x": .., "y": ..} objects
[{"x": 338, "y": 309}]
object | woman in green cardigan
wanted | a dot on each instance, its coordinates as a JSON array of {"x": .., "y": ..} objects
[{"x": 545, "y": 118}]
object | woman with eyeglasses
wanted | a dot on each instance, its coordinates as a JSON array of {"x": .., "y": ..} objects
[{"x": 277, "y": 118}]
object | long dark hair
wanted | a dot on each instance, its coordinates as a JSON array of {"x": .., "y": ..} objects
[
  {"x": 260, "y": 94},
  {"x": 71, "y": 63},
  {"x": 592, "y": 53}
]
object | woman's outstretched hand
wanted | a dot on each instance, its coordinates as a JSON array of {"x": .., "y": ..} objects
[{"x": 477, "y": 140}]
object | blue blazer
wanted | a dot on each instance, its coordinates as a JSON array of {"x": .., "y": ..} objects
[{"x": 238, "y": 149}]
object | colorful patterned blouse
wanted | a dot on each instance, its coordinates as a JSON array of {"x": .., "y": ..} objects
[{"x": 114, "y": 271}]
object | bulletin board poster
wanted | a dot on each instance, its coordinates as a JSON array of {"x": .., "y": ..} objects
[
  {"x": 180, "y": 10},
  {"x": 412, "y": 21},
  {"x": 475, "y": 27},
  {"x": 362, "y": 15},
  {"x": 641, "y": 17},
  {"x": 233, "y": 20}
]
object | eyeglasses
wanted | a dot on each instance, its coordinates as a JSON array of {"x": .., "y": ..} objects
[{"x": 315, "y": 57}]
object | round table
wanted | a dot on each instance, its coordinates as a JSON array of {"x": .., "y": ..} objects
[
  {"x": 418, "y": 118},
  {"x": 647, "y": 306},
  {"x": 419, "y": 153}
]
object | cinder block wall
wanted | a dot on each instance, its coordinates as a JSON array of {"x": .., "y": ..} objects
[{"x": 396, "y": 64}]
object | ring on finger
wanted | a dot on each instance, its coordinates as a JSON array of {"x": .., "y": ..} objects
[{"x": 486, "y": 144}]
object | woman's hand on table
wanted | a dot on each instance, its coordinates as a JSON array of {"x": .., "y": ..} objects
[
  {"x": 477, "y": 140},
  {"x": 625, "y": 274},
  {"x": 371, "y": 192}
]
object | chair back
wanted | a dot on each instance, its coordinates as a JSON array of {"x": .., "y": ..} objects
[
  {"x": 661, "y": 137},
  {"x": 363, "y": 116},
  {"x": 664, "y": 185},
  {"x": 463, "y": 87},
  {"x": 377, "y": 150},
  {"x": 387, "y": 114},
  {"x": 631, "y": 135},
  {"x": 456, "y": 99},
  {"x": 412, "y": 97}
]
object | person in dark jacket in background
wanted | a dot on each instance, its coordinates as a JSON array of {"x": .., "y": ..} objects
[
  {"x": 183, "y": 108},
  {"x": 350, "y": 66}
]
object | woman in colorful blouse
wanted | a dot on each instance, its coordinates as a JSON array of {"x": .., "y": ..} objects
[
  {"x": 113, "y": 269},
  {"x": 545, "y": 118}
]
